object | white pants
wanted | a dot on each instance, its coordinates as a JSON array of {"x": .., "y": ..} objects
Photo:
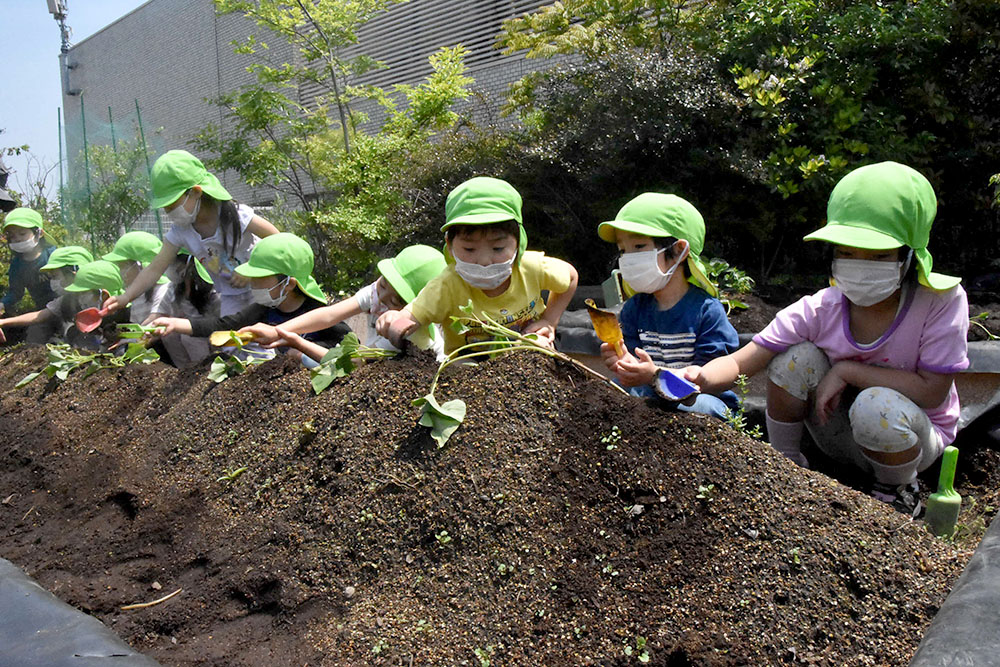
[{"x": 879, "y": 419}]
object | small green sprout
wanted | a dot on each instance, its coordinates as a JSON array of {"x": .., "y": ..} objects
[
  {"x": 611, "y": 439},
  {"x": 443, "y": 538},
  {"x": 640, "y": 651},
  {"x": 706, "y": 492},
  {"x": 231, "y": 475}
]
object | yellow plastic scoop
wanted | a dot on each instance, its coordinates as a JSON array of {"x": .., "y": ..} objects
[
  {"x": 224, "y": 338},
  {"x": 606, "y": 325}
]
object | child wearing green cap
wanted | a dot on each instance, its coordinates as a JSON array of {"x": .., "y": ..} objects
[
  {"x": 25, "y": 235},
  {"x": 279, "y": 271},
  {"x": 867, "y": 366},
  {"x": 133, "y": 252},
  {"x": 674, "y": 319},
  {"x": 489, "y": 265},
  {"x": 91, "y": 286},
  {"x": 207, "y": 222},
  {"x": 58, "y": 313},
  {"x": 401, "y": 279}
]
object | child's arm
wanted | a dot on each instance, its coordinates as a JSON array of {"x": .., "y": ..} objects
[
  {"x": 396, "y": 325},
  {"x": 27, "y": 319},
  {"x": 314, "y": 320},
  {"x": 169, "y": 325},
  {"x": 547, "y": 323},
  {"x": 146, "y": 278},
  {"x": 720, "y": 373},
  {"x": 260, "y": 227},
  {"x": 928, "y": 390},
  {"x": 297, "y": 342}
]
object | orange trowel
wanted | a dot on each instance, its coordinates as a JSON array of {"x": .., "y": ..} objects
[{"x": 606, "y": 325}]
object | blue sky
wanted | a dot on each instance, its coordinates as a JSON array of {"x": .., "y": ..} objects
[{"x": 31, "y": 89}]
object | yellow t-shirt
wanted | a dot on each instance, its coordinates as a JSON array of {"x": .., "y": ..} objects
[{"x": 517, "y": 307}]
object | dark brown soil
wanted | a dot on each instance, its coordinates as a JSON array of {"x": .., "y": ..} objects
[{"x": 351, "y": 540}]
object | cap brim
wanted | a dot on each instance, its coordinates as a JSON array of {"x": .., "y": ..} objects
[
  {"x": 254, "y": 271},
  {"x": 114, "y": 257},
  {"x": 606, "y": 230},
  {"x": 856, "y": 237},
  {"x": 479, "y": 219},
  {"x": 166, "y": 199},
  {"x": 389, "y": 272},
  {"x": 73, "y": 288}
]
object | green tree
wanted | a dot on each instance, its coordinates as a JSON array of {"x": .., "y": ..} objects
[
  {"x": 119, "y": 187},
  {"x": 276, "y": 134}
]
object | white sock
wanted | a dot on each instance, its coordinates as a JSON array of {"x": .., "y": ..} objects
[
  {"x": 786, "y": 438},
  {"x": 895, "y": 475}
]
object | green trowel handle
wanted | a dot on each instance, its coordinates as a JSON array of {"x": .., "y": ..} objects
[{"x": 948, "y": 462}]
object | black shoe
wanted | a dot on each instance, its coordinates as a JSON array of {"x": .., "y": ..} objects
[{"x": 904, "y": 498}]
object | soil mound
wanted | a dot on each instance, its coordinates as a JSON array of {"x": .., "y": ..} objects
[{"x": 563, "y": 524}]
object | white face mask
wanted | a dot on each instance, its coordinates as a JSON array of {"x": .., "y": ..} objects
[
  {"x": 484, "y": 277},
  {"x": 180, "y": 216},
  {"x": 24, "y": 246},
  {"x": 262, "y": 296},
  {"x": 642, "y": 271},
  {"x": 866, "y": 282},
  {"x": 56, "y": 284}
]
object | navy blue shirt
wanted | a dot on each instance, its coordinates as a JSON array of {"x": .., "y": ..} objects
[
  {"x": 693, "y": 332},
  {"x": 25, "y": 275}
]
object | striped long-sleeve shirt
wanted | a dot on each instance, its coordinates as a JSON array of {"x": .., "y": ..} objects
[{"x": 694, "y": 331}]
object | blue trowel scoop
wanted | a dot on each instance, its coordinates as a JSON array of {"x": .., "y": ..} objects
[{"x": 672, "y": 387}]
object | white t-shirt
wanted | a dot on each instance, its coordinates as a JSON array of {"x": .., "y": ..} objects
[{"x": 214, "y": 251}]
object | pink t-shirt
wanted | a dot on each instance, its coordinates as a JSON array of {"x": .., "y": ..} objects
[{"x": 929, "y": 333}]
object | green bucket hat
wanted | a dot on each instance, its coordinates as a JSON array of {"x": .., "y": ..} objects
[
  {"x": 71, "y": 255},
  {"x": 135, "y": 246},
  {"x": 97, "y": 275},
  {"x": 287, "y": 255},
  {"x": 411, "y": 269},
  {"x": 176, "y": 172},
  {"x": 662, "y": 215},
  {"x": 23, "y": 217},
  {"x": 483, "y": 201},
  {"x": 884, "y": 206}
]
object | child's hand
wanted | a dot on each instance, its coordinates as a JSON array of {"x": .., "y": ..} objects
[
  {"x": 238, "y": 281},
  {"x": 609, "y": 355},
  {"x": 693, "y": 375},
  {"x": 544, "y": 330},
  {"x": 385, "y": 321},
  {"x": 828, "y": 394},
  {"x": 636, "y": 371},
  {"x": 284, "y": 337},
  {"x": 264, "y": 334},
  {"x": 165, "y": 325},
  {"x": 396, "y": 325},
  {"x": 112, "y": 304}
]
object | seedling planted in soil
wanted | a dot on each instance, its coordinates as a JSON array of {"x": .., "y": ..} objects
[
  {"x": 231, "y": 475},
  {"x": 340, "y": 361},
  {"x": 63, "y": 360},
  {"x": 444, "y": 418}
]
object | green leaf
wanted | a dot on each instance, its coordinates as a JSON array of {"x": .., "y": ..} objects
[
  {"x": 27, "y": 378},
  {"x": 458, "y": 326},
  {"x": 137, "y": 353},
  {"x": 443, "y": 420},
  {"x": 219, "y": 370}
]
